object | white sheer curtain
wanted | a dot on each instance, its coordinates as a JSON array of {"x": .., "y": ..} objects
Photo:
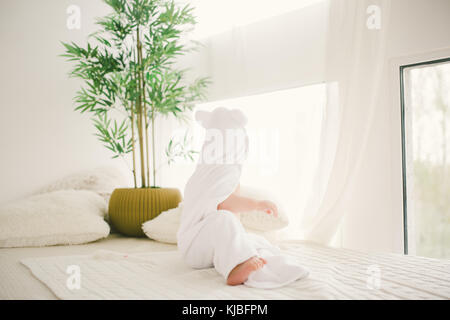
[
  {"x": 273, "y": 69},
  {"x": 355, "y": 58},
  {"x": 337, "y": 42}
]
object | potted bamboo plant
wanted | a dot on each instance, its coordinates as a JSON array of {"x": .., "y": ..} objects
[{"x": 129, "y": 82}]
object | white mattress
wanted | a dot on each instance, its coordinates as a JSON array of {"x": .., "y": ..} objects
[{"x": 147, "y": 274}]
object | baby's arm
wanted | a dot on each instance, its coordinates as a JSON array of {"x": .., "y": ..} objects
[{"x": 236, "y": 203}]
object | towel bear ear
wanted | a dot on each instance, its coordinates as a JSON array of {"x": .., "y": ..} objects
[
  {"x": 203, "y": 117},
  {"x": 239, "y": 117}
]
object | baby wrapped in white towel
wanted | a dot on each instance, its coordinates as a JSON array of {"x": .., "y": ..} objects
[{"x": 210, "y": 234}]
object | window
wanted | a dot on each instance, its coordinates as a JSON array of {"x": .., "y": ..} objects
[{"x": 425, "y": 95}]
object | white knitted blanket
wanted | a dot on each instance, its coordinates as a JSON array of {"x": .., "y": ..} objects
[{"x": 334, "y": 274}]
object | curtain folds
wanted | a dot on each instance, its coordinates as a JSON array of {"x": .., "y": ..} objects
[
  {"x": 337, "y": 42},
  {"x": 355, "y": 57}
]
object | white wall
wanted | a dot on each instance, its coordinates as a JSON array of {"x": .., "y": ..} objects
[{"x": 41, "y": 137}]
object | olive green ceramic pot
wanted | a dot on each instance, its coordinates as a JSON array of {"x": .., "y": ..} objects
[{"x": 129, "y": 208}]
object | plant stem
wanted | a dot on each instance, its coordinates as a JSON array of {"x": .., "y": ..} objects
[
  {"x": 132, "y": 144},
  {"x": 153, "y": 145},
  {"x": 142, "y": 83},
  {"x": 140, "y": 131},
  {"x": 132, "y": 109}
]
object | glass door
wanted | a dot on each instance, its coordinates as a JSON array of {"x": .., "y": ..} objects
[{"x": 425, "y": 95}]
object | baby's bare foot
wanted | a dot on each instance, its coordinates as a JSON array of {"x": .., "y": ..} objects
[
  {"x": 241, "y": 272},
  {"x": 268, "y": 207}
]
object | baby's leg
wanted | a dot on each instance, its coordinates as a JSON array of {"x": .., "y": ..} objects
[
  {"x": 237, "y": 203},
  {"x": 223, "y": 243}
]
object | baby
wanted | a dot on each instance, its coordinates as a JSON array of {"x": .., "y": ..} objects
[{"x": 210, "y": 235}]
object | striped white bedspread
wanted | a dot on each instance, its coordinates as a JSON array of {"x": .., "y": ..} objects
[{"x": 334, "y": 274}]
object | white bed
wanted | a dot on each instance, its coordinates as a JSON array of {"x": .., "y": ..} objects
[{"x": 132, "y": 268}]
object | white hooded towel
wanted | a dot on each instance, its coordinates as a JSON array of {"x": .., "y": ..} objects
[{"x": 210, "y": 237}]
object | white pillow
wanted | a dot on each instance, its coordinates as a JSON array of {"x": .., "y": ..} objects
[
  {"x": 260, "y": 220},
  {"x": 102, "y": 180},
  {"x": 56, "y": 218},
  {"x": 165, "y": 226}
]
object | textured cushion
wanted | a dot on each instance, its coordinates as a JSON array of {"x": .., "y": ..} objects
[
  {"x": 165, "y": 226},
  {"x": 55, "y": 218}
]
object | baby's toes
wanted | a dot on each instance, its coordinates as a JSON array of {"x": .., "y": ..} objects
[
  {"x": 257, "y": 263},
  {"x": 260, "y": 263}
]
